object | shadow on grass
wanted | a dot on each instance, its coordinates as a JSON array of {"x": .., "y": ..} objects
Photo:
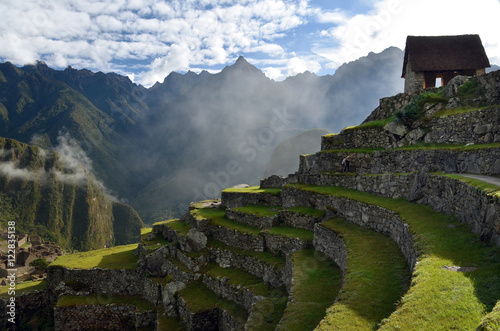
[{"x": 121, "y": 260}]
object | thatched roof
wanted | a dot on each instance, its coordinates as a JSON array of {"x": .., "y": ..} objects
[{"x": 445, "y": 53}]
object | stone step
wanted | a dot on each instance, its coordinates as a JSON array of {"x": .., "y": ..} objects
[
  {"x": 262, "y": 217},
  {"x": 265, "y": 265},
  {"x": 200, "y": 309},
  {"x": 232, "y": 197}
]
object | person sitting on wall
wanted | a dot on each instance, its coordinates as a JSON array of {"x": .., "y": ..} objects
[{"x": 345, "y": 162}]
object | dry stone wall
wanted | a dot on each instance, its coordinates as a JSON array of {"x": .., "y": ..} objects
[
  {"x": 102, "y": 317},
  {"x": 368, "y": 216},
  {"x": 481, "y": 161}
]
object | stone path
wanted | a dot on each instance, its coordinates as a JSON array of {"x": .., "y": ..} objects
[{"x": 487, "y": 179}]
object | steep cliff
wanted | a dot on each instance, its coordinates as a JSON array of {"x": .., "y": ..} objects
[{"x": 51, "y": 194}]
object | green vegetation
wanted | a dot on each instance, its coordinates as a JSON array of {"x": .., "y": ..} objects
[
  {"x": 457, "y": 111},
  {"x": 40, "y": 264},
  {"x": 376, "y": 277},
  {"x": 376, "y": 124},
  {"x": 218, "y": 217},
  {"x": 317, "y": 282},
  {"x": 170, "y": 324},
  {"x": 438, "y": 298},
  {"x": 242, "y": 278},
  {"x": 179, "y": 226},
  {"x": 119, "y": 257},
  {"x": 287, "y": 231},
  {"x": 307, "y": 211},
  {"x": 414, "y": 110},
  {"x": 199, "y": 298},
  {"x": 104, "y": 299},
  {"x": 24, "y": 287},
  {"x": 491, "y": 322},
  {"x": 258, "y": 210},
  {"x": 488, "y": 188},
  {"x": 254, "y": 189},
  {"x": 469, "y": 91},
  {"x": 267, "y": 313},
  {"x": 267, "y": 257}
]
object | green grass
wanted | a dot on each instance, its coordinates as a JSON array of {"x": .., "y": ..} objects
[
  {"x": 239, "y": 277},
  {"x": 199, "y": 298},
  {"x": 377, "y": 124},
  {"x": 376, "y": 278},
  {"x": 488, "y": 188},
  {"x": 267, "y": 313},
  {"x": 24, "y": 287},
  {"x": 218, "y": 217},
  {"x": 179, "y": 226},
  {"x": 354, "y": 150},
  {"x": 258, "y": 210},
  {"x": 104, "y": 299},
  {"x": 307, "y": 211},
  {"x": 461, "y": 147},
  {"x": 170, "y": 324},
  {"x": 317, "y": 282},
  {"x": 491, "y": 322},
  {"x": 438, "y": 299},
  {"x": 459, "y": 110},
  {"x": 287, "y": 231},
  {"x": 119, "y": 257},
  {"x": 254, "y": 189},
  {"x": 274, "y": 260}
]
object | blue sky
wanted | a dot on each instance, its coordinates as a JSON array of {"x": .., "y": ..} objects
[{"x": 147, "y": 39}]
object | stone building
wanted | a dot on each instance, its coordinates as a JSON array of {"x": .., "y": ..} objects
[{"x": 444, "y": 57}]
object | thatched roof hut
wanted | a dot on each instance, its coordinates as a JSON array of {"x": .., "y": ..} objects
[{"x": 428, "y": 58}]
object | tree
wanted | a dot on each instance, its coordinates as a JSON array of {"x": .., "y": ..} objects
[{"x": 40, "y": 264}]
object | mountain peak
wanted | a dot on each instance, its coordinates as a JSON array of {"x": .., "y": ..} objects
[{"x": 242, "y": 65}]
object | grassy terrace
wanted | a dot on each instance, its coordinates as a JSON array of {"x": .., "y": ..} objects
[
  {"x": 287, "y": 231},
  {"x": 307, "y": 211},
  {"x": 199, "y": 298},
  {"x": 119, "y": 257},
  {"x": 182, "y": 228},
  {"x": 439, "y": 298},
  {"x": 24, "y": 287},
  {"x": 239, "y": 277},
  {"x": 317, "y": 282},
  {"x": 488, "y": 188},
  {"x": 217, "y": 216},
  {"x": 376, "y": 278},
  {"x": 267, "y": 257},
  {"x": 99, "y": 299},
  {"x": 254, "y": 189},
  {"x": 258, "y": 210}
]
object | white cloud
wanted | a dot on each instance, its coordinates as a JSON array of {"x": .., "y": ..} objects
[
  {"x": 173, "y": 35},
  {"x": 391, "y": 21},
  {"x": 298, "y": 65}
]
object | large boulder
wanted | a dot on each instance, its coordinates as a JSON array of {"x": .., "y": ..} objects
[{"x": 452, "y": 88}]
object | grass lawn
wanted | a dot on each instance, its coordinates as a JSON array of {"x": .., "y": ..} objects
[
  {"x": 24, "y": 287},
  {"x": 218, "y": 217},
  {"x": 307, "y": 211},
  {"x": 288, "y": 231},
  {"x": 376, "y": 278},
  {"x": 451, "y": 147},
  {"x": 119, "y": 257},
  {"x": 439, "y": 298},
  {"x": 317, "y": 282},
  {"x": 199, "y": 298},
  {"x": 181, "y": 227},
  {"x": 258, "y": 210},
  {"x": 254, "y": 189}
]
